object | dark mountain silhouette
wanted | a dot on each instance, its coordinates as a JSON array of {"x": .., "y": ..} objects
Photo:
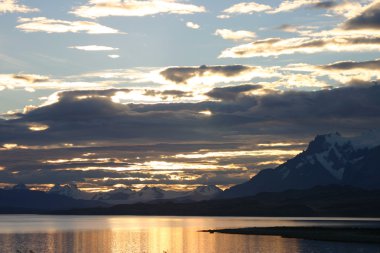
[
  {"x": 22, "y": 200},
  {"x": 329, "y": 159},
  {"x": 328, "y": 201}
]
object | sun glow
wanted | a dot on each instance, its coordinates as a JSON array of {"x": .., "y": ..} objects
[
  {"x": 38, "y": 127},
  {"x": 216, "y": 154}
]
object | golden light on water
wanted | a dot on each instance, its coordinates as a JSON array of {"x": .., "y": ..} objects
[{"x": 114, "y": 234}]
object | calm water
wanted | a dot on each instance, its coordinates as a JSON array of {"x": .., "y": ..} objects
[{"x": 114, "y": 234}]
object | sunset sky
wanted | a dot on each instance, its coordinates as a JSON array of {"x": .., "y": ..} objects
[{"x": 178, "y": 93}]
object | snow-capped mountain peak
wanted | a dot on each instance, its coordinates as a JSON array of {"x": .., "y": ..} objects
[
  {"x": 329, "y": 159},
  {"x": 322, "y": 143},
  {"x": 331, "y": 152},
  {"x": 69, "y": 190},
  {"x": 207, "y": 190},
  {"x": 151, "y": 193},
  {"x": 118, "y": 195},
  {"x": 20, "y": 187}
]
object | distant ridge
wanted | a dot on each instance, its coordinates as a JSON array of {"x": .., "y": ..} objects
[
  {"x": 320, "y": 201},
  {"x": 22, "y": 200},
  {"x": 144, "y": 195}
]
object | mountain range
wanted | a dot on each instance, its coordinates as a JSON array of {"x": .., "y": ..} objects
[
  {"x": 343, "y": 166},
  {"x": 144, "y": 195}
]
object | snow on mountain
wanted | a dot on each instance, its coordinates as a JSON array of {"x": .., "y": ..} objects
[
  {"x": 70, "y": 190},
  {"x": 149, "y": 194},
  {"x": 202, "y": 193},
  {"x": 117, "y": 196},
  {"x": 329, "y": 159},
  {"x": 208, "y": 190},
  {"x": 20, "y": 187}
]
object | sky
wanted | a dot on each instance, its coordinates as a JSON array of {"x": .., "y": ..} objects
[{"x": 178, "y": 93}]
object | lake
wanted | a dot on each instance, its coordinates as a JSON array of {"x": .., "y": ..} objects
[{"x": 154, "y": 234}]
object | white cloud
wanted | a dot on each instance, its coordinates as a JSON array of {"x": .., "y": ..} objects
[
  {"x": 94, "y": 48},
  {"x": 235, "y": 35},
  {"x": 114, "y": 56},
  {"x": 348, "y": 9},
  {"x": 42, "y": 24},
  {"x": 13, "y": 6},
  {"x": 192, "y": 25},
  {"x": 247, "y": 8},
  {"x": 223, "y": 16},
  {"x": 290, "y": 5},
  {"x": 278, "y": 46},
  {"x": 104, "y": 8},
  {"x": 344, "y": 8}
]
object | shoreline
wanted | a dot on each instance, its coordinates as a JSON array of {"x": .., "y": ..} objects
[{"x": 332, "y": 234}]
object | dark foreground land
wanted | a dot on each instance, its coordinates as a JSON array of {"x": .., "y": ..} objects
[{"x": 335, "y": 234}]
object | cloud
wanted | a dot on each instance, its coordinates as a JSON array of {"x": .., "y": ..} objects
[
  {"x": 104, "y": 8},
  {"x": 192, "y": 25},
  {"x": 232, "y": 93},
  {"x": 42, "y": 24},
  {"x": 87, "y": 134},
  {"x": 114, "y": 56},
  {"x": 31, "y": 82},
  {"x": 247, "y": 8},
  {"x": 326, "y": 4},
  {"x": 344, "y": 71},
  {"x": 285, "y": 6},
  {"x": 235, "y": 35},
  {"x": 215, "y": 74},
  {"x": 77, "y": 116},
  {"x": 288, "y": 28},
  {"x": 290, "y": 5},
  {"x": 278, "y": 46},
  {"x": 94, "y": 48},
  {"x": 345, "y": 8},
  {"x": 13, "y": 6},
  {"x": 349, "y": 65},
  {"x": 368, "y": 19}
]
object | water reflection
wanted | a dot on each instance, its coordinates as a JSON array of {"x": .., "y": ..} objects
[
  {"x": 60, "y": 234},
  {"x": 151, "y": 241}
]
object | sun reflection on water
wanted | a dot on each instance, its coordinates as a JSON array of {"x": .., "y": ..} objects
[{"x": 136, "y": 234}]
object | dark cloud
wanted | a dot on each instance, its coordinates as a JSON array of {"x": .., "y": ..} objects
[
  {"x": 31, "y": 78},
  {"x": 166, "y": 93},
  {"x": 132, "y": 134},
  {"x": 75, "y": 119},
  {"x": 183, "y": 74},
  {"x": 347, "y": 65},
  {"x": 369, "y": 19},
  {"x": 231, "y": 92},
  {"x": 75, "y": 94},
  {"x": 326, "y": 4}
]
